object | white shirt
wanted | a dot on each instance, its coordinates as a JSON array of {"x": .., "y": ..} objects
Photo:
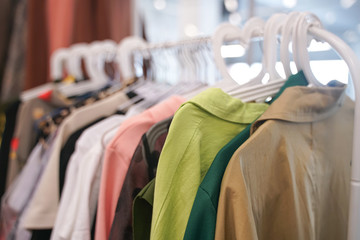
[
  {"x": 82, "y": 229},
  {"x": 80, "y": 194}
]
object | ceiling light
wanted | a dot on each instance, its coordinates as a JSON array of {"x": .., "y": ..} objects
[
  {"x": 330, "y": 18},
  {"x": 159, "y": 4},
  {"x": 191, "y": 30},
  {"x": 289, "y": 3},
  {"x": 347, "y": 3},
  {"x": 235, "y": 18},
  {"x": 231, "y": 5}
]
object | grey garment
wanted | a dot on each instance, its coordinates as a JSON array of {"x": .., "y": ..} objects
[
  {"x": 14, "y": 72},
  {"x": 16, "y": 200},
  {"x": 7, "y": 15},
  {"x": 25, "y": 130}
]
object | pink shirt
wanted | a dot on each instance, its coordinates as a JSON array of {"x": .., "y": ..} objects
[{"x": 118, "y": 156}]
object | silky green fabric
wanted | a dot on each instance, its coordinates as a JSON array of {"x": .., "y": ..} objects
[
  {"x": 200, "y": 128},
  {"x": 202, "y": 220},
  {"x": 142, "y": 212}
]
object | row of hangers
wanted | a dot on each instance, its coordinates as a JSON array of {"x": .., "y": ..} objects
[{"x": 299, "y": 28}]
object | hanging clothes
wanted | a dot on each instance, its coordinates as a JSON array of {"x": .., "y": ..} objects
[
  {"x": 42, "y": 210},
  {"x": 68, "y": 150},
  {"x": 78, "y": 201},
  {"x": 142, "y": 211},
  {"x": 16, "y": 200},
  {"x": 200, "y": 128},
  {"x": 290, "y": 179},
  {"x": 202, "y": 220},
  {"x": 118, "y": 156},
  {"x": 26, "y": 134},
  {"x": 142, "y": 169},
  {"x": 104, "y": 166}
]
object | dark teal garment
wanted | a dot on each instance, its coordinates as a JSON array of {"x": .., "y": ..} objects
[{"x": 202, "y": 220}]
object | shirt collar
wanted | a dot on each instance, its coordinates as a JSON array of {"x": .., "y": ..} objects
[
  {"x": 304, "y": 104},
  {"x": 222, "y": 105}
]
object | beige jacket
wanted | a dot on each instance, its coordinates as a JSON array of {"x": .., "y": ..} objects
[{"x": 290, "y": 180}]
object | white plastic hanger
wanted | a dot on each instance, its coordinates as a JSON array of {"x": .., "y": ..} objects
[
  {"x": 255, "y": 89},
  {"x": 124, "y": 59},
  {"x": 301, "y": 42},
  {"x": 254, "y": 27},
  {"x": 310, "y": 25},
  {"x": 94, "y": 64},
  {"x": 124, "y": 55},
  {"x": 147, "y": 90},
  {"x": 125, "y": 63},
  {"x": 77, "y": 53},
  {"x": 225, "y": 32},
  {"x": 270, "y": 43},
  {"x": 103, "y": 52},
  {"x": 289, "y": 29},
  {"x": 57, "y": 63},
  {"x": 270, "y": 34},
  {"x": 188, "y": 63}
]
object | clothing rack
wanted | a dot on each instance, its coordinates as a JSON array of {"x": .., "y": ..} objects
[
  {"x": 317, "y": 32},
  {"x": 182, "y": 43}
]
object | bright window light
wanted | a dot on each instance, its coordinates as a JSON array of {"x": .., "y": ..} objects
[
  {"x": 324, "y": 71},
  {"x": 328, "y": 70},
  {"x": 232, "y": 51},
  {"x": 315, "y": 46},
  {"x": 240, "y": 72}
]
